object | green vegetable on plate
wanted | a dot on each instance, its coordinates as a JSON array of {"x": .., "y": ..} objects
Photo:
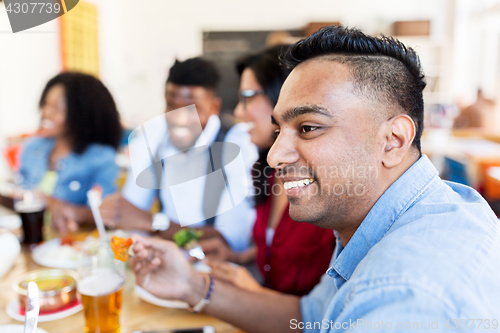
[{"x": 185, "y": 236}]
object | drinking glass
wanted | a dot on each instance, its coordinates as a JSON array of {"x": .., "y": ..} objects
[
  {"x": 30, "y": 204},
  {"x": 100, "y": 286}
]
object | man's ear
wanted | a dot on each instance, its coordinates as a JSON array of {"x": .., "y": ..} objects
[
  {"x": 398, "y": 138},
  {"x": 216, "y": 105}
]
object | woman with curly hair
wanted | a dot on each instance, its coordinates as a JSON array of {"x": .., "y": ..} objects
[{"x": 74, "y": 148}]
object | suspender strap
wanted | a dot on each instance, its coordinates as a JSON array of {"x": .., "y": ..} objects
[{"x": 214, "y": 187}]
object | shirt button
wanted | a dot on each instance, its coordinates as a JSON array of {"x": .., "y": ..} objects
[
  {"x": 267, "y": 267},
  {"x": 74, "y": 185}
]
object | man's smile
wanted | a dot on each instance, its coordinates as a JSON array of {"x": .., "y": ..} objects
[{"x": 297, "y": 183}]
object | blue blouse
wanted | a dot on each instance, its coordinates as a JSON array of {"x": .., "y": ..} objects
[{"x": 76, "y": 173}]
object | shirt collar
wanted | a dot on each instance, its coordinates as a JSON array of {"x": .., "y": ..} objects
[
  {"x": 394, "y": 202},
  {"x": 210, "y": 131}
]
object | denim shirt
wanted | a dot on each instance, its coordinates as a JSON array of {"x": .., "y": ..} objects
[
  {"x": 426, "y": 258},
  {"x": 76, "y": 173}
]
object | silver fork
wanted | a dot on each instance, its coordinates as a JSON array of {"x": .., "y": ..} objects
[{"x": 194, "y": 249}]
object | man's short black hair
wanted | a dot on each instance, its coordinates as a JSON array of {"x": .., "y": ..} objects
[
  {"x": 382, "y": 68},
  {"x": 91, "y": 115},
  {"x": 194, "y": 72}
]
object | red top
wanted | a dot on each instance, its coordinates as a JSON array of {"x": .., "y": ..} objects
[{"x": 299, "y": 255}]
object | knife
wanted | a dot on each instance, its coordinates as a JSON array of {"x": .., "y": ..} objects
[{"x": 32, "y": 308}]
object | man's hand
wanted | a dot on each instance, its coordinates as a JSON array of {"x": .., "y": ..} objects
[
  {"x": 162, "y": 269},
  {"x": 236, "y": 275},
  {"x": 216, "y": 249},
  {"x": 117, "y": 212}
]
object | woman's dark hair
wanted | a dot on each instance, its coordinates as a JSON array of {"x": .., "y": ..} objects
[
  {"x": 381, "y": 68},
  {"x": 270, "y": 74},
  {"x": 91, "y": 116},
  {"x": 267, "y": 69}
]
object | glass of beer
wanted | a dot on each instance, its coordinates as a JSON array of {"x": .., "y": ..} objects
[
  {"x": 100, "y": 286},
  {"x": 30, "y": 204}
]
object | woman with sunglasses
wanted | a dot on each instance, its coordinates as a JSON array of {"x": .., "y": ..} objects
[{"x": 284, "y": 250}]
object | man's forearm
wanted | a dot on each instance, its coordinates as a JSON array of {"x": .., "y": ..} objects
[{"x": 252, "y": 312}]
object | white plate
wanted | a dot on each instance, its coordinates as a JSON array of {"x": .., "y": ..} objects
[
  {"x": 13, "y": 312},
  {"x": 17, "y": 329},
  {"x": 150, "y": 298},
  {"x": 10, "y": 222},
  {"x": 39, "y": 256}
]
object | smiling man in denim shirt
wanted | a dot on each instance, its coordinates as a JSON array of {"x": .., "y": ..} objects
[{"x": 413, "y": 252}]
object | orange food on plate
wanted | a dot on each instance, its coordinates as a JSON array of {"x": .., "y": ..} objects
[
  {"x": 120, "y": 247},
  {"x": 67, "y": 240}
]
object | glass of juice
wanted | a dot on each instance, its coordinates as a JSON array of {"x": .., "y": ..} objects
[{"x": 100, "y": 286}]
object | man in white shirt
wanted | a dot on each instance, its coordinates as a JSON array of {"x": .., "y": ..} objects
[{"x": 181, "y": 144}]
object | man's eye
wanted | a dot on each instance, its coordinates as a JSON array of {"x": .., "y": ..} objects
[
  {"x": 306, "y": 128},
  {"x": 276, "y": 133}
]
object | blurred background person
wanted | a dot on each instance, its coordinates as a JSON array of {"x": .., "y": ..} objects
[
  {"x": 480, "y": 115},
  {"x": 291, "y": 256},
  {"x": 74, "y": 148},
  {"x": 193, "y": 81}
]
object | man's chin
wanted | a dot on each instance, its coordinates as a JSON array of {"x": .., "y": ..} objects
[
  {"x": 301, "y": 214},
  {"x": 306, "y": 213},
  {"x": 183, "y": 144}
]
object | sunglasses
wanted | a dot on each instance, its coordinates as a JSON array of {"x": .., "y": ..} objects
[{"x": 244, "y": 95}]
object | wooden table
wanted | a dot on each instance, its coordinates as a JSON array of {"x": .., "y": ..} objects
[{"x": 136, "y": 313}]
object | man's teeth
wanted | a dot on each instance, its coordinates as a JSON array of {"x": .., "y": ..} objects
[
  {"x": 181, "y": 131},
  {"x": 302, "y": 182},
  {"x": 250, "y": 124}
]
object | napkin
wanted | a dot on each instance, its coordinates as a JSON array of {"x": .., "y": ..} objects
[
  {"x": 10, "y": 222},
  {"x": 9, "y": 248}
]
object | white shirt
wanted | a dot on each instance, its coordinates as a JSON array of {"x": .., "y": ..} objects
[{"x": 184, "y": 203}]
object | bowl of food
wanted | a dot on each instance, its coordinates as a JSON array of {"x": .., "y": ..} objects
[{"x": 57, "y": 288}]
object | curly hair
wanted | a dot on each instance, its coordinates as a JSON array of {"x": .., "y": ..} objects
[
  {"x": 91, "y": 116},
  {"x": 381, "y": 68}
]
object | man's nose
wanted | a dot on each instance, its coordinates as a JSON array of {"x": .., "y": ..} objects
[
  {"x": 283, "y": 152},
  {"x": 183, "y": 117}
]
